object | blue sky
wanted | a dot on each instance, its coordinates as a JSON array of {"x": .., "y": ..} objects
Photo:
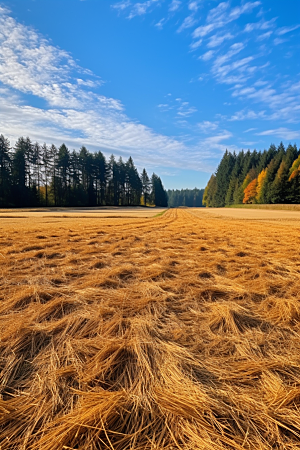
[{"x": 171, "y": 83}]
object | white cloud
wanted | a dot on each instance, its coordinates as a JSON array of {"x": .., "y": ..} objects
[
  {"x": 285, "y": 30},
  {"x": 207, "y": 56},
  {"x": 278, "y": 41},
  {"x": 181, "y": 108},
  {"x": 283, "y": 133},
  {"x": 205, "y": 29},
  {"x": 136, "y": 9},
  {"x": 218, "y": 39},
  {"x": 263, "y": 36},
  {"x": 207, "y": 127},
  {"x": 222, "y": 15},
  {"x": 247, "y": 115},
  {"x": 161, "y": 23},
  {"x": 196, "y": 44},
  {"x": 175, "y": 4},
  {"x": 233, "y": 50},
  {"x": 261, "y": 25},
  {"x": 193, "y": 5},
  {"x": 236, "y": 12},
  {"x": 250, "y": 129},
  {"x": 122, "y": 5},
  {"x": 188, "y": 22},
  {"x": 185, "y": 110},
  {"x": 140, "y": 9},
  {"x": 218, "y": 12}
]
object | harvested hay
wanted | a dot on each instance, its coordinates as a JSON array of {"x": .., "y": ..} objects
[{"x": 176, "y": 332}]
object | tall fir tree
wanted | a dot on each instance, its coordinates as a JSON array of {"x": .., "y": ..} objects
[
  {"x": 223, "y": 178},
  {"x": 5, "y": 172}
]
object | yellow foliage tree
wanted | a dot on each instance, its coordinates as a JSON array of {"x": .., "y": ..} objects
[
  {"x": 260, "y": 181},
  {"x": 295, "y": 169}
]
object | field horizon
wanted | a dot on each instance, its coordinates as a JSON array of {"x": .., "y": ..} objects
[{"x": 175, "y": 331}]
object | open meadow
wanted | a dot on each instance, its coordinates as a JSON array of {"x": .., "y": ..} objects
[{"x": 149, "y": 330}]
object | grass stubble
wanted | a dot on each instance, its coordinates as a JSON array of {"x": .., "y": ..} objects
[{"x": 174, "y": 332}]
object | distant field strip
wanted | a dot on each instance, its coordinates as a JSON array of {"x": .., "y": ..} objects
[
  {"x": 180, "y": 331},
  {"x": 276, "y": 206},
  {"x": 252, "y": 214}
]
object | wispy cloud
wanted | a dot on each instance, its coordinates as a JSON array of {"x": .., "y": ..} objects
[
  {"x": 191, "y": 19},
  {"x": 261, "y": 25},
  {"x": 181, "y": 108},
  {"x": 188, "y": 22},
  {"x": 222, "y": 15},
  {"x": 193, "y": 5},
  {"x": 207, "y": 55},
  {"x": 264, "y": 36},
  {"x": 185, "y": 110},
  {"x": 174, "y": 5},
  {"x": 283, "y": 133},
  {"x": 285, "y": 30},
  {"x": 247, "y": 115},
  {"x": 122, "y": 5},
  {"x": 136, "y": 8},
  {"x": 218, "y": 39},
  {"x": 140, "y": 9},
  {"x": 278, "y": 41},
  {"x": 207, "y": 126}
]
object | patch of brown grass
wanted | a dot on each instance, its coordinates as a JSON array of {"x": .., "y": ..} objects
[{"x": 174, "y": 332}]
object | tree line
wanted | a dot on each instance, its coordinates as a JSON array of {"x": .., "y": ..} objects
[
  {"x": 271, "y": 176},
  {"x": 185, "y": 197},
  {"x": 40, "y": 175}
]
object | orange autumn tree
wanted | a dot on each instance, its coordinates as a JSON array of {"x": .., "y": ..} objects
[{"x": 250, "y": 192}]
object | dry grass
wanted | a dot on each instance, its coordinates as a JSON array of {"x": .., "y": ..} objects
[
  {"x": 176, "y": 332},
  {"x": 112, "y": 212},
  {"x": 288, "y": 217},
  {"x": 277, "y": 206}
]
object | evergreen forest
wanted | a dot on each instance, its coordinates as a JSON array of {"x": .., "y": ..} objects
[
  {"x": 185, "y": 197},
  {"x": 271, "y": 176},
  {"x": 33, "y": 175}
]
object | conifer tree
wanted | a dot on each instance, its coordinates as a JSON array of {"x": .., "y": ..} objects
[
  {"x": 209, "y": 192},
  {"x": 5, "y": 172},
  {"x": 223, "y": 178},
  {"x": 20, "y": 174},
  {"x": 159, "y": 195},
  {"x": 146, "y": 186}
]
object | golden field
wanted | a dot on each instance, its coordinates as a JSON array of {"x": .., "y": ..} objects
[{"x": 180, "y": 331}]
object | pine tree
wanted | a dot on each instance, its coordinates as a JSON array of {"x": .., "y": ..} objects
[
  {"x": 146, "y": 187},
  {"x": 20, "y": 174},
  {"x": 63, "y": 175},
  {"x": 159, "y": 195},
  {"x": 53, "y": 154},
  {"x": 46, "y": 170},
  {"x": 210, "y": 192},
  {"x": 223, "y": 178},
  {"x": 101, "y": 175},
  {"x": 5, "y": 172}
]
